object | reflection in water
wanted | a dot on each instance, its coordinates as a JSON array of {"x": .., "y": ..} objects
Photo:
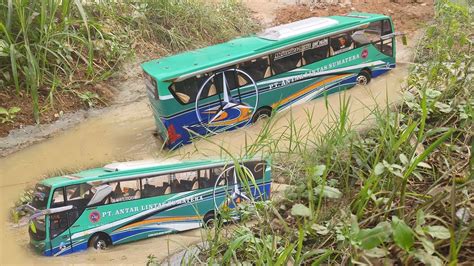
[{"x": 126, "y": 134}]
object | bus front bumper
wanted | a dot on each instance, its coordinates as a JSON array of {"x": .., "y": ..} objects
[{"x": 40, "y": 246}]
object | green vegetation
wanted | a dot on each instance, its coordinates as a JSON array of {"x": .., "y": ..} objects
[
  {"x": 8, "y": 115},
  {"x": 400, "y": 192},
  {"x": 17, "y": 213},
  {"x": 49, "y": 46},
  {"x": 89, "y": 98}
]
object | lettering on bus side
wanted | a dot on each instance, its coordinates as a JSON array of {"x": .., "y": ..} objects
[
  {"x": 314, "y": 72},
  {"x": 155, "y": 206}
]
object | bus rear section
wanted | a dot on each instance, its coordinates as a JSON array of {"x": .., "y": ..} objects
[{"x": 156, "y": 106}]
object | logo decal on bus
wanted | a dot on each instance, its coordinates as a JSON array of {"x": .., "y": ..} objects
[
  {"x": 94, "y": 216},
  {"x": 364, "y": 53},
  {"x": 231, "y": 109}
]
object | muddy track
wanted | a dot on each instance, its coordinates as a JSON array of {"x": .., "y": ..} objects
[
  {"x": 124, "y": 132},
  {"x": 128, "y": 87}
]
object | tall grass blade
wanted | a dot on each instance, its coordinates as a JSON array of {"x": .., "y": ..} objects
[
  {"x": 14, "y": 68},
  {"x": 90, "y": 53}
]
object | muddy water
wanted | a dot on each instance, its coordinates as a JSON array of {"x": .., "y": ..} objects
[{"x": 125, "y": 133}]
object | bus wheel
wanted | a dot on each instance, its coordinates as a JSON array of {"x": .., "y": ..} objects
[
  {"x": 99, "y": 242},
  {"x": 363, "y": 78},
  {"x": 262, "y": 113},
  {"x": 209, "y": 219}
]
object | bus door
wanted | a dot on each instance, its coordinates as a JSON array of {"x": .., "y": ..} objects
[
  {"x": 60, "y": 231},
  {"x": 387, "y": 38},
  {"x": 379, "y": 34}
]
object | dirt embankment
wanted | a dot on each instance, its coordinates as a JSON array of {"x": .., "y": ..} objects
[
  {"x": 407, "y": 17},
  {"x": 69, "y": 110}
]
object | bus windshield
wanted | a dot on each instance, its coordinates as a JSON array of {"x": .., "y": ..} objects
[
  {"x": 40, "y": 200},
  {"x": 40, "y": 197}
]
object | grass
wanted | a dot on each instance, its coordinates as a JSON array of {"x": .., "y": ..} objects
[
  {"x": 64, "y": 45},
  {"x": 400, "y": 192}
]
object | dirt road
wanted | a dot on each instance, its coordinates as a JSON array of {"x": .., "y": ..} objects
[{"x": 125, "y": 133}]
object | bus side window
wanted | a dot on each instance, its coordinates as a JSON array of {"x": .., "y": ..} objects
[
  {"x": 58, "y": 198},
  {"x": 319, "y": 50},
  {"x": 125, "y": 190},
  {"x": 258, "y": 69},
  {"x": 186, "y": 90},
  {"x": 374, "y": 31},
  {"x": 226, "y": 173},
  {"x": 204, "y": 178},
  {"x": 155, "y": 186},
  {"x": 341, "y": 43},
  {"x": 58, "y": 224},
  {"x": 286, "y": 63},
  {"x": 79, "y": 195},
  {"x": 210, "y": 88},
  {"x": 257, "y": 168},
  {"x": 360, "y": 38},
  {"x": 242, "y": 79},
  {"x": 184, "y": 181},
  {"x": 231, "y": 80},
  {"x": 215, "y": 173}
]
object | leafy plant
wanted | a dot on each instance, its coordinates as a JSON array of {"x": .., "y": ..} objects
[
  {"x": 90, "y": 98},
  {"x": 8, "y": 115},
  {"x": 15, "y": 213}
]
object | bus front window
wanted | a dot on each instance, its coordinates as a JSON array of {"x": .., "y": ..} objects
[
  {"x": 40, "y": 197},
  {"x": 37, "y": 228}
]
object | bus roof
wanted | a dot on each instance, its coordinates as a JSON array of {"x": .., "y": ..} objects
[
  {"x": 173, "y": 67},
  {"x": 128, "y": 169}
]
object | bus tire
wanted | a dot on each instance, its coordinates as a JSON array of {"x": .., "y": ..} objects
[
  {"x": 209, "y": 219},
  {"x": 100, "y": 241},
  {"x": 364, "y": 77},
  {"x": 262, "y": 113}
]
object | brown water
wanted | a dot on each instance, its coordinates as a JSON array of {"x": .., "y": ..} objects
[{"x": 125, "y": 133}]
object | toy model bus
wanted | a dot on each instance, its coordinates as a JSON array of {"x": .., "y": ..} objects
[
  {"x": 229, "y": 85},
  {"x": 124, "y": 202}
]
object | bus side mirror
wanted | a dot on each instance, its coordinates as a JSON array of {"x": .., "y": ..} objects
[
  {"x": 394, "y": 34},
  {"x": 101, "y": 193},
  {"x": 39, "y": 213},
  {"x": 404, "y": 39}
]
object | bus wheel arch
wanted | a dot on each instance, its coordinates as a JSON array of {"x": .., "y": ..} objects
[
  {"x": 364, "y": 76},
  {"x": 262, "y": 113},
  {"x": 100, "y": 241},
  {"x": 209, "y": 218}
]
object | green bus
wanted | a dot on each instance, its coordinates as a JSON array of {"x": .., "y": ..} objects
[
  {"x": 229, "y": 85},
  {"x": 123, "y": 202}
]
